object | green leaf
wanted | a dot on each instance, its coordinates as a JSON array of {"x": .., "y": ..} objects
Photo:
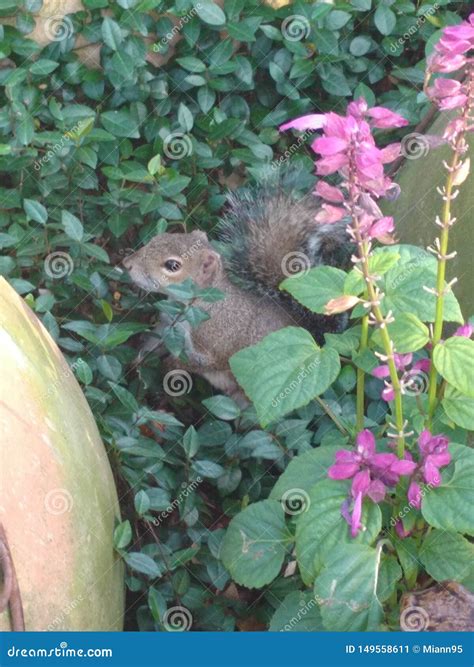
[
  {"x": 299, "y": 612},
  {"x": 321, "y": 530},
  {"x": 120, "y": 124},
  {"x": 454, "y": 360},
  {"x": 192, "y": 64},
  {"x": 143, "y": 564},
  {"x": 122, "y": 535},
  {"x": 43, "y": 66},
  {"x": 284, "y": 372},
  {"x": 459, "y": 408},
  {"x": 385, "y": 19},
  {"x": 191, "y": 442},
  {"x": 208, "y": 469},
  {"x": 389, "y": 573},
  {"x": 111, "y": 33},
  {"x": 305, "y": 470},
  {"x": 360, "y": 45},
  {"x": 254, "y": 545},
  {"x": 35, "y": 211},
  {"x": 141, "y": 503},
  {"x": 313, "y": 289},
  {"x": 345, "y": 590},
  {"x": 222, "y": 407},
  {"x": 449, "y": 506},
  {"x": 407, "y": 332},
  {"x": 72, "y": 226},
  {"x": 125, "y": 397},
  {"x": 447, "y": 555},
  {"x": 404, "y": 284},
  {"x": 185, "y": 118},
  {"x": 209, "y": 12}
]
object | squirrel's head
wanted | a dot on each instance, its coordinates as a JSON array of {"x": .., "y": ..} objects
[{"x": 171, "y": 258}]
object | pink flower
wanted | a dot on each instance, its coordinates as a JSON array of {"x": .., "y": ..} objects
[
  {"x": 466, "y": 330},
  {"x": 329, "y": 192},
  {"x": 381, "y": 227},
  {"x": 313, "y": 121},
  {"x": 409, "y": 377},
  {"x": 370, "y": 472},
  {"x": 329, "y": 214},
  {"x": 400, "y": 529},
  {"x": 435, "y": 455},
  {"x": 329, "y": 145},
  {"x": 414, "y": 495},
  {"x": 382, "y": 118}
]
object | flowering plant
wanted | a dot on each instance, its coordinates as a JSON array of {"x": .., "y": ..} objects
[{"x": 385, "y": 506}]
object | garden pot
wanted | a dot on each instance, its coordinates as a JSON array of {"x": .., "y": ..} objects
[{"x": 58, "y": 502}]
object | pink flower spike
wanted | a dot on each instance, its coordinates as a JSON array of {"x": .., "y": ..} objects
[
  {"x": 313, "y": 121},
  {"x": 466, "y": 330},
  {"x": 356, "y": 516},
  {"x": 326, "y": 146},
  {"x": 384, "y": 118},
  {"x": 381, "y": 227},
  {"x": 443, "y": 87},
  {"x": 431, "y": 472},
  {"x": 330, "y": 214},
  {"x": 403, "y": 467},
  {"x": 358, "y": 108},
  {"x": 343, "y": 470},
  {"x": 377, "y": 491},
  {"x": 388, "y": 394},
  {"x": 390, "y": 152},
  {"x": 423, "y": 365},
  {"x": 330, "y": 165},
  {"x": 381, "y": 372},
  {"x": 329, "y": 192},
  {"x": 414, "y": 495},
  {"x": 400, "y": 530},
  {"x": 365, "y": 442},
  {"x": 445, "y": 64},
  {"x": 454, "y": 102}
]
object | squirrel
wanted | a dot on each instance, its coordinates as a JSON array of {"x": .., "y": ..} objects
[{"x": 266, "y": 234}]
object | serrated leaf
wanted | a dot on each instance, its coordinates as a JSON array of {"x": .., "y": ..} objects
[
  {"x": 454, "y": 360},
  {"x": 313, "y": 289},
  {"x": 407, "y": 332},
  {"x": 305, "y": 470},
  {"x": 346, "y": 590},
  {"x": 447, "y": 555},
  {"x": 321, "y": 530},
  {"x": 284, "y": 372},
  {"x": 449, "y": 506},
  {"x": 459, "y": 408},
  {"x": 254, "y": 545}
]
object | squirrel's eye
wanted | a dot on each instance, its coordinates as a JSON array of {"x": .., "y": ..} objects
[{"x": 172, "y": 265}]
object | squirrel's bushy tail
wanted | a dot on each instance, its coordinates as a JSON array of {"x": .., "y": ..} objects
[{"x": 269, "y": 233}]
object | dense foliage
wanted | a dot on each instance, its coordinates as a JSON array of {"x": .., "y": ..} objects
[{"x": 96, "y": 160}]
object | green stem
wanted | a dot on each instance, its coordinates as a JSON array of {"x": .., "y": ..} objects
[
  {"x": 331, "y": 414},
  {"x": 360, "y": 395},
  {"x": 440, "y": 289}
]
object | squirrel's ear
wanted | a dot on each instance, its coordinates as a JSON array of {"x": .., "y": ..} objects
[
  {"x": 197, "y": 233},
  {"x": 209, "y": 265}
]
